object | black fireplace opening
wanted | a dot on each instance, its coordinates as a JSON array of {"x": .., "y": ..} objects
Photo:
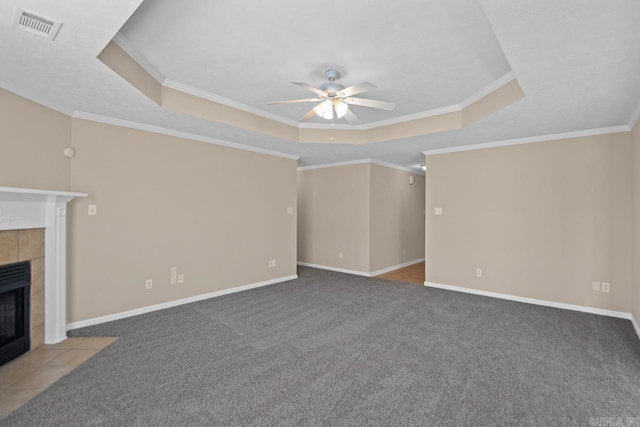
[{"x": 15, "y": 292}]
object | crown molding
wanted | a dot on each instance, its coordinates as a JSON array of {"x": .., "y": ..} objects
[
  {"x": 360, "y": 162},
  {"x": 528, "y": 140},
  {"x": 177, "y": 134},
  {"x": 135, "y": 54},
  {"x": 38, "y": 99},
  {"x": 635, "y": 117},
  {"x": 228, "y": 102},
  {"x": 386, "y": 122},
  {"x": 335, "y": 165},
  {"x": 488, "y": 89},
  {"x": 367, "y": 126},
  {"x": 417, "y": 171},
  {"x": 253, "y": 110},
  {"x": 122, "y": 41}
]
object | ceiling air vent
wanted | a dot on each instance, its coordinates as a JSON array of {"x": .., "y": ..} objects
[{"x": 35, "y": 24}]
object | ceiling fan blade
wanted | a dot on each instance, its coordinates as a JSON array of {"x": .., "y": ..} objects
[
  {"x": 309, "y": 87},
  {"x": 359, "y": 88},
  {"x": 294, "y": 101},
  {"x": 383, "y": 105},
  {"x": 351, "y": 118},
  {"x": 309, "y": 115}
]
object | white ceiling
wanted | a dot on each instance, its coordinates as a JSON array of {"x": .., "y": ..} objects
[
  {"x": 577, "y": 62},
  {"x": 422, "y": 56}
]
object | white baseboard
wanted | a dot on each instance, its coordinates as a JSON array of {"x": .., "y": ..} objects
[
  {"x": 585, "y": 309},
  {"x": 635, "y": 326},
  {"x": 362, "y": 273},
  {"x": 395, "y": 267},
  {"x": 149, "y": 309},
  {"x": 339, "y": 270}
]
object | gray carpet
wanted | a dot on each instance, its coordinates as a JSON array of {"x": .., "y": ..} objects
[{"x": 333, "y": 349}]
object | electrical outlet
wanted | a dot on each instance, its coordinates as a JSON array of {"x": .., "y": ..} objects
[
  {"x": 290, "y": 211},
  {"x": 92, "y": 210},
  {"x": 174, "y": 280},
  {"x": 606, "y": 287},
  {"x": 340, "y": 255},
  {"x": 148, "y": 284},
  {"x": 180, "y": 278},
  {"x": 478, "y": 272},
  {"x": 273, "y": 263},
  {"x": 595, "y": 286}
]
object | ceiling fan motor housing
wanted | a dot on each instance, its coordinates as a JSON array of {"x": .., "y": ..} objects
[
  {"x": 331, "y": 87},
  {"x": 332, "y": 74}
]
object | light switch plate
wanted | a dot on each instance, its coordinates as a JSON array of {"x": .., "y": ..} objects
[{"x": 438, "y": 211}]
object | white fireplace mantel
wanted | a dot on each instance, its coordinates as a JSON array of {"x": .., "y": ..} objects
[{"x": 23, "y": 208}]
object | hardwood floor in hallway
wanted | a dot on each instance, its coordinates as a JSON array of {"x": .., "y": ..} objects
[{"x": 411, "y": 274}]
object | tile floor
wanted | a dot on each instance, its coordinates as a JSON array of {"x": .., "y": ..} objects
[{"x": 25, "y": 377}]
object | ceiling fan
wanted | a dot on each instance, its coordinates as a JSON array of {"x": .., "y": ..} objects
[{"x": 335, "y": 97}]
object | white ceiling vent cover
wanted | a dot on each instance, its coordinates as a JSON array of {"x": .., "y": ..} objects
[{"x": 38, "y": 25}]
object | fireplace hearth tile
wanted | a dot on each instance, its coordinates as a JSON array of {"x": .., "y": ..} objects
[
  {"x": 37, "y": 357},
  {"x": 73, "y": 357},
  {"x": 31, "y": 373},
  {"x": 85, "y": 342},
  {"x": 10, "y": 374},
  {"x": 43, "y": 377},
  {"x": 12, "y": 399}
]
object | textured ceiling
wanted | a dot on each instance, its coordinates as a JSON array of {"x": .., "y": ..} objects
[{"x": 577, "y": 62}]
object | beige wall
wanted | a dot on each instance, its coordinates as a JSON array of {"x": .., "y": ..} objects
[
  {"x": 333, "y": 216},
  {"x": 368, "y": 212},
  {"x": 397, "y": 220},
  {"x": 219, "y": 214},
  {"x": 31, "y": 144},
  {"x": 542, "y": 220},
  {"x": 636, "y": 221}
]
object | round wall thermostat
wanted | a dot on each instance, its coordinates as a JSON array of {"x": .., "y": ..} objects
[{"x": 69, "y": 152}]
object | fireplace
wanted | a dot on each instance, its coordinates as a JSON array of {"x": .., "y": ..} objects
[
  {"x": 15, "y": 291},
  {"x": 33, "y": 227}
]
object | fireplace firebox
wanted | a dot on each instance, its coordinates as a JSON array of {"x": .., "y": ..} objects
[{"x": 15, "y": 291}]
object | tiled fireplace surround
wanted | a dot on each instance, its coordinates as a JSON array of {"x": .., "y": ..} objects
[
  {"x": 33, "y": 227},
  {"x": 28, "y": 245}
]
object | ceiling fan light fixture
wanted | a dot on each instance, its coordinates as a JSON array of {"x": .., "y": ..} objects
[
  {"x": 341, "y": 108},
  {"x": 324, "y": 110}
]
